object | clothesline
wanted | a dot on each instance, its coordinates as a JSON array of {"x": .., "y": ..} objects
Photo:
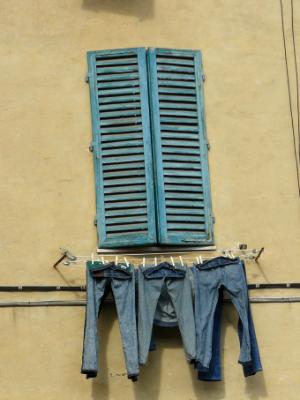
[{"x": 70, "y": 259}]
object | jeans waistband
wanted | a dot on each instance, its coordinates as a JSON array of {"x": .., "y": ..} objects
[
  {"x": 217, "y": 262},
  {"x": 164, "y": 270},
  {"x": 110, "y": 270}
]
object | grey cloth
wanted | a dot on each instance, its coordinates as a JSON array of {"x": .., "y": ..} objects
[
  {"x": 173, "y": 280},
  {"x": 100, "y": 278},
  {"x": 227, "y": 273}
]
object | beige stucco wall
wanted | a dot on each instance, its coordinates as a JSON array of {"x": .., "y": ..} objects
[{"x": 47, "y": 188}]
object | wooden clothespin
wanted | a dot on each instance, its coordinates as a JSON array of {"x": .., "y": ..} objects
[
  {"x": 172, "y": 261},
  {"x": 92, "y": 258},
  {"x": 126, "y": 262},
  {"x": 143, "y": 261},
  {"x": 155, "y": 261},
  {"x": 181, "y": 261}
]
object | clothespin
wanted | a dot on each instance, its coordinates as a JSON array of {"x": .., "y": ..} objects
[
  {"x": 143, "y": 261},
  {"x": 155, "y": 261},
  {"x": 102, "y": 259},
  {"x": 172, "y": 261},
  {"x": 200, "y": 259},
  {"x": 116, "y": 262},
  {"x": 92, "y": 257},
  {"x": 126, "y": 262},
  {"x": 181, "y": 261}
]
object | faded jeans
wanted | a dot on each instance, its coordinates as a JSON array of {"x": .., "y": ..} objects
[
  {"x": 211, "y": 278},
  {"x": 152, "y": 280},
  {"x": 120, "y": 279}
]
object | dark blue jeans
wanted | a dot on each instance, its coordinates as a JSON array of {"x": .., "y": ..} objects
[
  {"x": 229, "y": 274},
  {"x": 100, "y": 278},
  {"x": 152, "y": 282}
]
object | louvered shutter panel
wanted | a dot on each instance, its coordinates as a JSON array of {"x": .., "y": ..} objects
[
  {"x": 122, "y": 148},
  {"x": 180, "y": 147}
]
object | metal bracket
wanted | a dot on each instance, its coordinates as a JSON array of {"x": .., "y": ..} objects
[{"x": 65, "y": 254}]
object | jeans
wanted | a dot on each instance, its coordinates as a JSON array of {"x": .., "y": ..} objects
[
  {"x": 152, "y": 281},
  {"x": 211, "y": 278},
  {"x": 214, "y": 372},
  {"x": 120, "y": 279}
]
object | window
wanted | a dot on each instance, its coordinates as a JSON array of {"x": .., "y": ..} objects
[{"x": 150, "y": 147}]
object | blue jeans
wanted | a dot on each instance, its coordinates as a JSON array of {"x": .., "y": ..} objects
[
  {"x": 120, "y": 279},
  {"x": 210, "y": 279},
  {"x": 173, "y": 280}
]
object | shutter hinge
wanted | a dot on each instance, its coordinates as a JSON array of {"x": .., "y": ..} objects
[
  {"x": 91, "y": 147},
  {"x": 87, "y": 78},
  {"x": 208, "y": 146},
  {"x": 203, "y": 77},
  {"x": 95, "y": 221},
  {"x": 213, "y": 219}
]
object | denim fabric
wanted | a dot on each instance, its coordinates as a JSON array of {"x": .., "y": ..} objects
[
  {"x": 100, "y": 278},
  {"x": 214, "y": 372},
  {"x": 175, "y": 280},
  {"x": 210, "y": 277}
]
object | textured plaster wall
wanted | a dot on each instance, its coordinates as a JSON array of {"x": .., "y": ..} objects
[{"x": 47, "y": 188}]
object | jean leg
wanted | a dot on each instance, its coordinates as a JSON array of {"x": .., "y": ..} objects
[
  {"x": 94, "y": 294},
  {"x": 124, "y": 294},
  {"x": 149, "y": 292},
  {"x": 180, "y": 292},
  {"x": 206, "y": 299},
  {"x": 236, "y": 286},
  {"x": 214, "y": 372}
]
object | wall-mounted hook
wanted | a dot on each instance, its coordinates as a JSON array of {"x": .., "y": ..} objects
[{"x": 259, "y": 254}]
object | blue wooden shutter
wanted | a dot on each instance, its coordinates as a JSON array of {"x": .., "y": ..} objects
[
  {"x": 122, "y": 147},
  {"x": 180, "y": 147}
]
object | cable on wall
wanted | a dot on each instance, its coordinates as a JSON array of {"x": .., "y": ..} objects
[
  {"x": 289, "y": 85},
  {"x": 296, "y": 73}
]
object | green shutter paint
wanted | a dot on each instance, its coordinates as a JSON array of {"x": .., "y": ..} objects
[
  {"x": 180, "y": 147},
  {"x": 122, "y": 147}
]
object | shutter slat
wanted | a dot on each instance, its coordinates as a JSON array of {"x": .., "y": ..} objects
[
  {"x": 118, "y": 84},
  {"x": 117, "y": 77},
  {"x": 133, "y": 226},
  {"x": 172, "y": 68},
  {"x": 176, "y": 107},
  {"x": 117, "y": 69},
  {"x": 184, "y": 207},
  {"x": 174, "y": 61},
  {"x": 122, "y": 189},
  {"x": 120, "y": 106},
  {"x": 120, "y": 167},
  {"x": 130, "y": 212},
  {"x": 124, "y": 181},
  {"x": 178, "y": 135},
  {"x": 125, "y": 196},
  {"x": 122, "y": 152},
  {"x": 177, "y": 113},
  {"x": 182, "y": 218},
  {"x": 118, "y": 99},
  {"x": 122, "y": 143},
  {"x": 127, "y": 173},
  {"x": 120, "y": 113}
]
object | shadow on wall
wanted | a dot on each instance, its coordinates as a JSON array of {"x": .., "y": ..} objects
[
  {"x": 142, "y": 9},
  {"x": 166, "y": 338}
]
